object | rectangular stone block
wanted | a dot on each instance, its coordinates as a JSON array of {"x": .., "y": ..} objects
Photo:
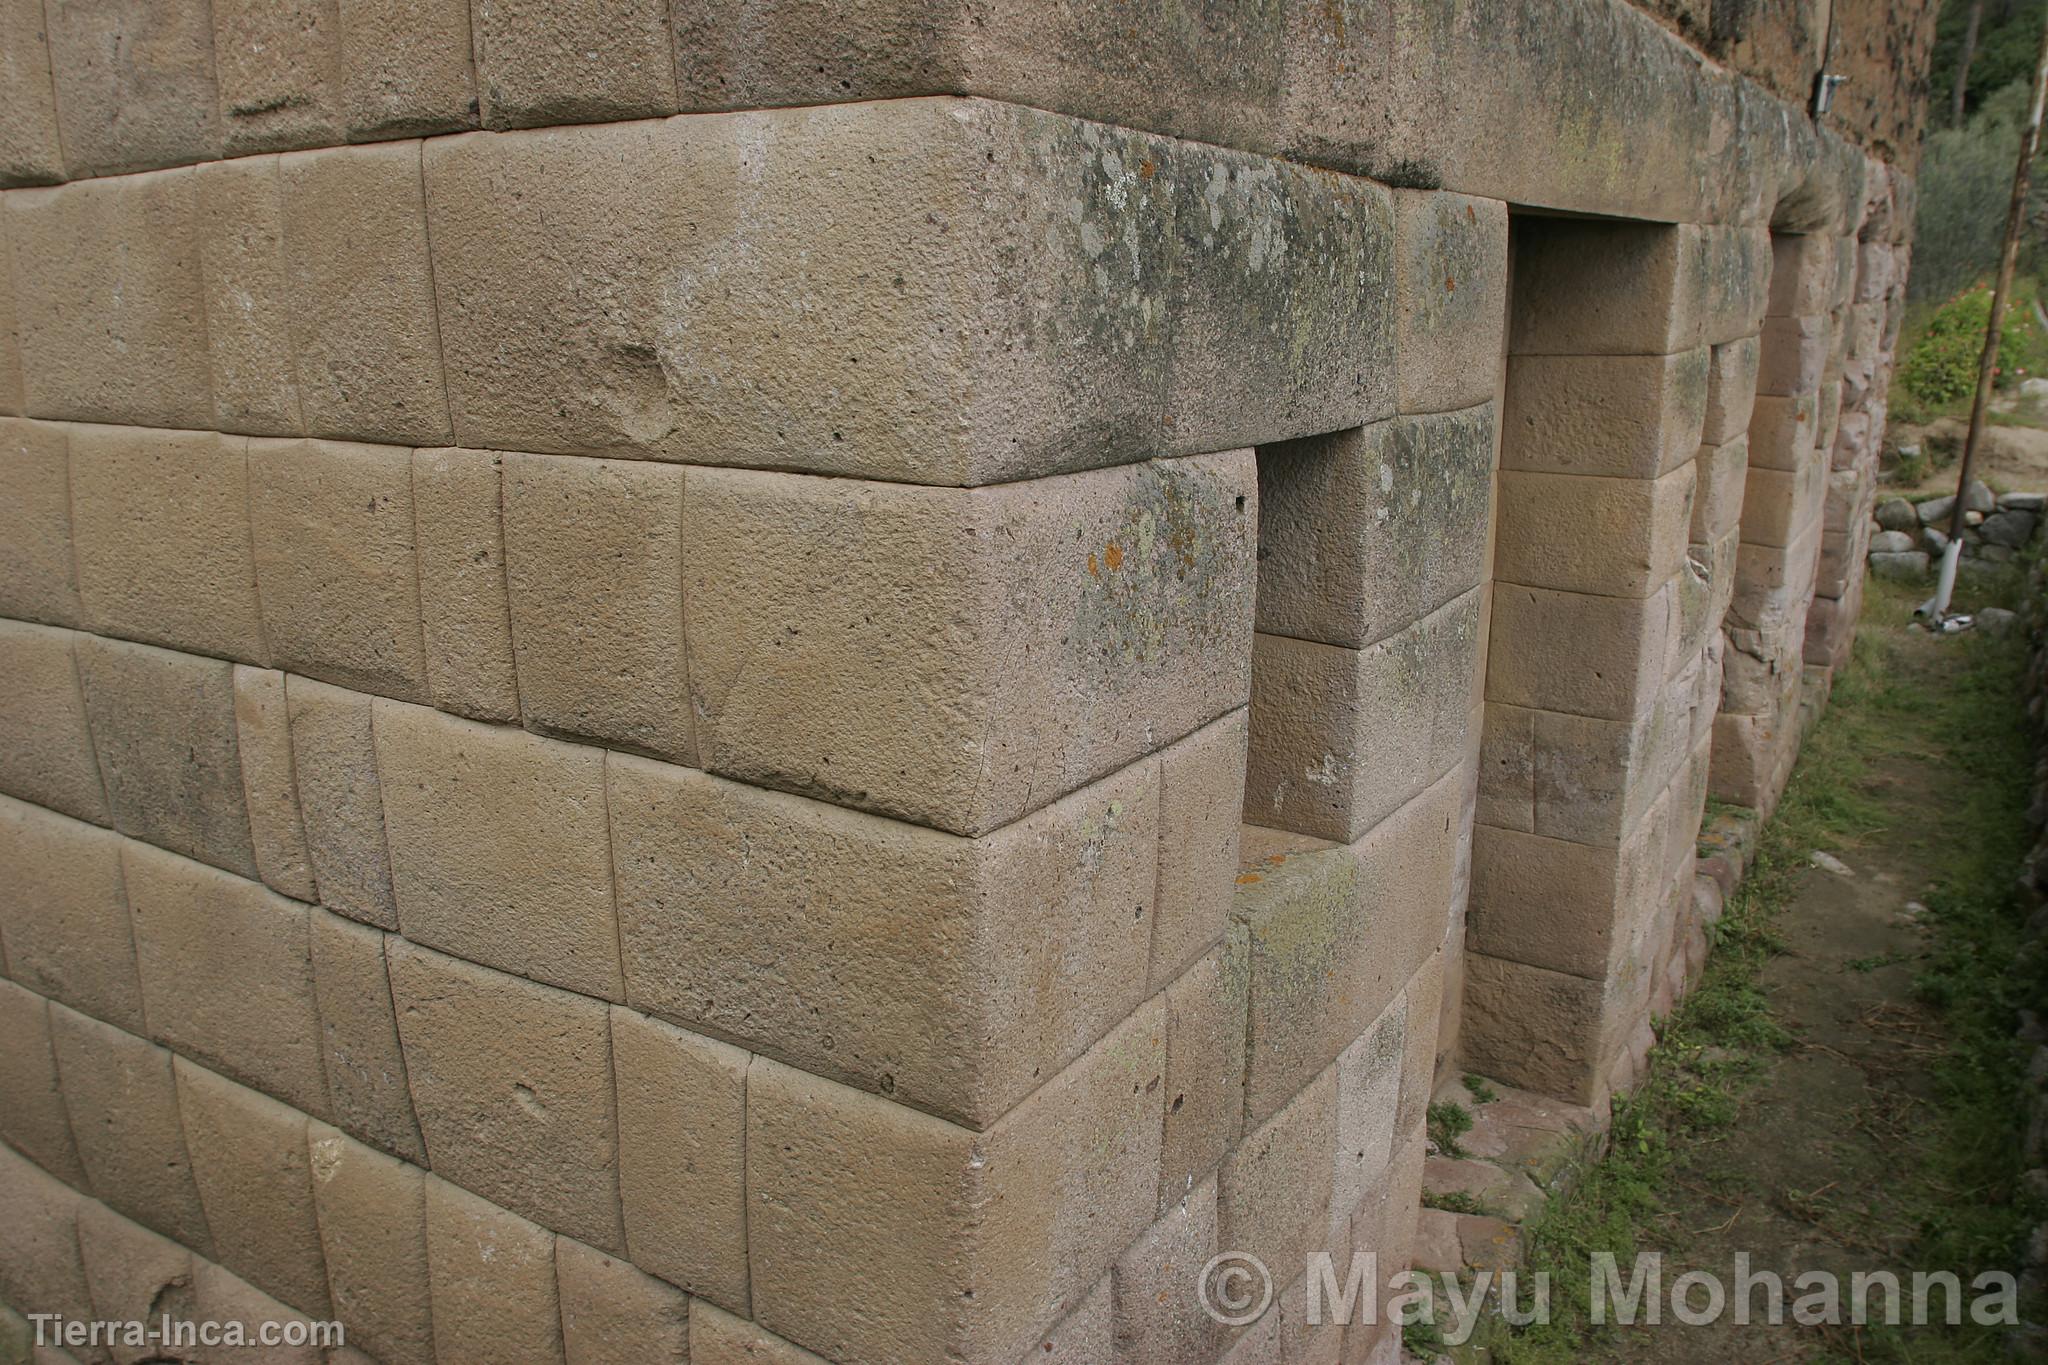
[
  {"x": 960, "y": 706},
  {"x": 682, "y": 1155},
  {"x": 63, "y": 914},
  {"x": 1533, "y": 1028},
  {"x": 38, "y": 577},
  {"x": 1803, "y": 271},
  {"x": 373, "y": 1238},
  {"x": 1585, "y": 287},
  {"x": 1589, "y": 656},
  {"x": 1783, "y": 431},
  {"x": 29, "y": 150},
  {"x": 514, "y": 1086},
  {"x": 227, "y": 974},
  {"x": 1781, "y": 508},
  {"x": 10, "y": 331},
  {"x": 540, "y": 64},
  {"x": 465, "y": 616},
  {"x": 1368, "y": 1102},
  {"x": 1205, "y": 1066},
  {"x": 1451, "y": 272},
  {"x": 1201, "y": 797},
  {"x": 248, "y": 331},
  {"x": 1340, "y": 737},
  {"x": 565, "y": 334},
  {"x": 612, "y": 1311},
  {"x": 240, "y": 1307},
  {"x": 124, "y": 1117},
  {"x": 1615, "y": 537},
  {"x": 719, "y": 1338},
  {"x": 135, "y": 85},
  {"x": 1731, "y": 389},
  {"x": 249, "y": 1158},
  {"x": 160, "y": 524},
  {"x": 109, "y": 301},
  {"x": 1626, "y": 416},
  {"x": 961, "y": 1245},
  {"x": 1367, "y": 530},
  {"x": 1729, "y": 268},
  {"x": 46, "y": 748},
  {"x": 406, "y": 69},
  {"x": 1273, "y": 1193},
  {"x": 335, "y": 563},
  {"x": 499, "y": 847},
  {"x": 40, "y": 1268},
  {"x": 263, "y": 740},
  {"x": 884, "y": 954},
  {"x": 34, "y": 1121},
  {"x": 364, "y": 336},
  {"x": 279, "y": 68},
  {"x": 1795, "y": 354},
  {"x": 163, "y": 726},
  {"x": 366, "y": 1081},
  {"x": 493, "y": 1282},
  {"x": 1155, "y": 1313},
  {"x": 600, "y": 650},
  {"x": 1717, "y": 498},
  {"x": 1558, "y": 904},
  {"x": 341, "y": 801},
  {"x": 1425, "y": 1038},
  {"x": 133, "y": 1274}
]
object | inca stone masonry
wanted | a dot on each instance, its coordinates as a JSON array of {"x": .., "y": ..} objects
[{"x": 790, "y": 682}]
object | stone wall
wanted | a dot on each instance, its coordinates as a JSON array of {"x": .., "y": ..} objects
[{"x": 812, "y": 684}]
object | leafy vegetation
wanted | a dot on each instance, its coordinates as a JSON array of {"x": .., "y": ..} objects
[{"x": 1939, "y": 369}]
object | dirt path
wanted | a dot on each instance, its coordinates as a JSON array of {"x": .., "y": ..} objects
[{"x": 2012, "y": 459}]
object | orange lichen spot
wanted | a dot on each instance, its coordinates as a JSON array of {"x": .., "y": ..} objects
[
  {"x": 1094, "y": 569},
  {"x": 1146, "y": 170},
  {"x": 1470, "y": 216},
  {"x": 1113, "y": 555},
  {"x": 1247, "y": 878},
  {"x": 1450, "y": 283}
]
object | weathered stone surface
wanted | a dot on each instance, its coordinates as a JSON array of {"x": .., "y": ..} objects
[
  {"x": 682, "y": 1159},
  {"x": 124, "y": 1118},
  {"x": 135, "y": 85},
  {"x": 373, "y": 1238},
  {"x": 1341, "y": 737},
  {"x": 47, "y": 757},
  {"x": 225, "y": 1298},
  {"x": 364, "y": 335},
  {"x": 1533, "y": 1028},
  {"x": 600, "y": 650},
  {"x": 1560, "y": 905},
  {"x": 1896, "y": 514},
  {"x": 1368, "y": 1102},
  {"x": 1201, "y": 795},
  {"x": 1616, "y": 537},
  {"x": 366, "y": 1082},
  {"x": 1155, "y": 1313},
  {"x": 38, "y": 576},
  {"x": 1783, "y": 430},
  {"x": 719, "y": 1338},
  {"x": 1205, "y": 1066},
  {"x": 40, "y": 1267},
  {"x": 335, "y": 563},
  {"x": 406, "y": 68},
  {"x": 34, "y": 1121},
  {"x": 612, "y": 1311},
  {"x": 1603, "y": 288},
  {"x": 1578, "y": 653},
  {"x": 1731, "y": 390},
  {"x": 248, "y": 327},
  {"x": 1626, "y": 416},
  {"x": 1910, "y": 567},
  {"x": 250, "y": 1162},
  {"x": 1795, "y": 355},
  {"x": 161, "y": 528},
  {"x": 1935, "y": 511},
  {"x": 514, "y": 1086},
  {"x": 465, "y": 616},
  {"x": 163, "y": 726},
  {"x": 1891, "y": 542},
  {"x": 961, "y": 1243},
  {"x": 135, "y": 1275},
  {"x": 884, "y": 954},
  {"x": 1803, "y": 274},
  {"x": 227, "y": 974},
  {"x": 64, "y": 914},
  {"x": 334, "y": 757},
  {"x": 1273, "y": 1192},
  {"x": 1450, "y": 268},
  {"x": 1083, "y": 1336},
  {"x": 499, "y": 847},
  {"x": 2012, "y": 529},
  {"x": 541, "y": 63},
  {"x": 1365, "y": 531},
  {"x": 279, "y": 68},
  {"x": 10, "y": 332},
  {"x": 493, "y": 1278},
  {"x": 573, "y": 324},
  {"x": 29, "y": 151},
  {"x": 263, "y": 741},
  {"x": 1040, "y": 635}
]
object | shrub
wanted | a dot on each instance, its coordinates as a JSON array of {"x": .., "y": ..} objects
[{"x": 1940, "y": 368}]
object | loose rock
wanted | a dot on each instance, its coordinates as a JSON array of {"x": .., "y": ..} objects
[
  {"x": 1900, "y": 568},
  {"x": 1978, "y": 497},
  {"x": 1890, "y": 543},
  {"x": 2013, "y": 529},
  {"x": 1935, "y": 509},
  {"x": 1896, "y": 514}
]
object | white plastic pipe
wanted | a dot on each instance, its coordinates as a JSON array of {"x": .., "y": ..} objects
[{"x": 1935, "y": 608}]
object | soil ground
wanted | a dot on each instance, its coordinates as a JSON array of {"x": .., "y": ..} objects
[{"x": 2012, "y": 459}]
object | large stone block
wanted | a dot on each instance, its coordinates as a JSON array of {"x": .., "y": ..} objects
[
  {"x": 1781, "y": 508},
  {"x": 1155, "y": 1312},
  {"x": 1803, "y": 274},
  {"x": 1341, "y": 737},
  {"x": 135, "y": 85},
  {"x": 514, "y": 1086},
  {"x": 34, "y": 1121},
  {"x": 1533, "y": 1028},
  {"x": 46, "y": 748},
  {"x": 241, "y": 1308},
  {"x": 541, "y": 63},
  {"x": 493, "y": 1282},
  {"x": 1205, "y": 1066},
  {"x": 612, "y": 1311},
  {"x": 341, "y": 801},
  {"x": 657, "y": 288},
  {"x": 1201, "y": 798},
  {"x": 109, "y": 302},
  {"x": 1451, "y": 271},
  {"x": 1273, "y": 1193},
  {"x": 960, "y": 1245},
  {"x": 1795, "y": 354},
  {"x": 249, "y": 1158},
  {"x": 1365, "y": 531},
  {"x": 263, "y": 741},
  {"x": 373, "y": 1238},
  {"x": 134, "y": 1275},
  {"x": 64, "y": 915},
  {"x": 1558, "y": 904},
  {"x": 594, "y": 564},
  {"x": 1783, "y": 431},
  {"x": 1585, "y": 287},
  {"x": 1368, "y": 1103},
  {"x": 499, "y": 847},
  {"x": 1730, "y": 269},
  {"x": 1717, "y": 497},
  {"x": 1038, "y": 635},
  {"x": 364, "y": 336},
  {"x": 124, "y": 1116},
  {"x": 29, "y": 150},
  {"x": 10, "y": 332},
  {"x": 40, "y": 1267},
  {"x": 248, "y": 326},
  {"x": 160, "y": 523},
  {"x": 227, "y": 974},
  {"x": 682, "y": 1155},
  {"x": 719, "y": 1338},
  {"x": 1616, "y": 537},
  {"x": 1626, "y": 416},
  {"x": 1573, "y": 652},
  {"x": 883, "y": 954},
  {"x": 465, "y": 617},
  {"x": 406, "y": 68},
  {"x": 335, "y": 563},
  {"x": 1731, "y": 390},
  {"x": 38, "y": 575},
  {"x": 279, "y": 69},
  {"x": 366, "y": 1081},
  {"x": 163, "y": 726}
]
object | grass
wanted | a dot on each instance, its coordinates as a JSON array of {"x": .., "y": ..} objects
[{"x": 1958, "y": 1183}]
